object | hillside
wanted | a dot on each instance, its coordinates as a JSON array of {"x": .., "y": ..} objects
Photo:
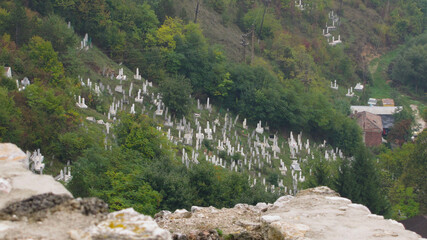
[
  {"x": 214, "y": 27},
  {"x": 195, "y": 125}
]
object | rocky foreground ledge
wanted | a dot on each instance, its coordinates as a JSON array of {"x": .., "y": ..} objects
[
  {"x": 317, "y": 213},
  {"x": 38, "y": 207}
]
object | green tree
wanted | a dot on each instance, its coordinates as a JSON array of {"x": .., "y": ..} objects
[
  {"x": 415, "y": 175},
  {"x": 367, "y": 188},
  {"x": 345, "y": 184},
  {"x": 127, "y": 191},
  {"x": 167, "y": 33},
  {"x": 270, "y": 23},
  {"x": 89, "y": 178},
  {"x": 115, "y": 177},
  {"x": 4, "y": 17},
  {"x": 7, "y": 83},
  {"x": 176, "y": 94},
  {"x": 19, "y": 24},
  {"x": 411, "y": 68},
  {"x": 10, "y": 129},
  {"x": 54, "y": 29},
  {"x": 45, "y": 59},
  {"x": 321, "y": 175},
  {"x": 403, "y": 202}
]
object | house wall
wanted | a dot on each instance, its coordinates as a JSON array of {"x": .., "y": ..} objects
[{"x": 373, "y": 139}]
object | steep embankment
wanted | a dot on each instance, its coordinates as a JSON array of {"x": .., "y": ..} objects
[{"x": 215, "y": 30}]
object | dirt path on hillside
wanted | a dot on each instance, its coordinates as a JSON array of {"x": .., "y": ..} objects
[{"x": 418, "y": 119}]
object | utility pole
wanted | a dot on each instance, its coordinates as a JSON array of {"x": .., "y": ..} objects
[
  {"x": 387, "y": 10},
  {"x": 266, "y": 3},
  {"x": 253, "y": 41},
  {"x": 197, "y": 11},
  {"x": 365, "y": 71}
]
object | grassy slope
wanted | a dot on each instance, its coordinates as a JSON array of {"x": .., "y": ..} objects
[
  {"x": 380, "y": 88},
  {"x": 378, "y": 67},
  {"x": 213, "y": 27}
]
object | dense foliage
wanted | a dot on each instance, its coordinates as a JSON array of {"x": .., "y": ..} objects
[
  {"x": 410, "y": 68},
  {"x": 403, "y": 177}
]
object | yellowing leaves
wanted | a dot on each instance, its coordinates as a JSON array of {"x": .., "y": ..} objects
[{"x": 168, "y": 31}]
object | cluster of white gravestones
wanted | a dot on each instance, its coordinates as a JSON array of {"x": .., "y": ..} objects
[
  {"x": 91, "y": 119},
  {"x": 334, "y": 85},
  {"x": 199, "y": 138},
  {"x": 222, "y": 137},
  {"x": 89, "y": 83},
  {"x": 332, "y": 155},
  {"x": 295, "y": 147},
  {"x": 358, "y": 87},
  {"x": 335, "y": 42},
  {"x": 168, "y": 121},
  {"x": 81, "y": 103},
  {"x": 130, "y": 89},
  {"x": 34, "y": 161},
  {"x": 139, "y": 98},
  {"x": 132, "y": 109},
  {"x": 137, "y": 76},
  {"x": 299, "y": 5},
  {"x": 65, "y": 174},
  {"x": 259, "y": 128},
  {"x": 208, "y": 131},
  {"x": 109, "y": 90},
  {"x": 21, "y": 85},
  {"x": 275, "y": 147},
  {"x": 333, "y": 16},
  {"x": 207, "y": 107},
  {"x": 350, "y": 92},
  {"x": 186, "y": 160},
  {"x": 113, "y": 109},
  {"x": 159, "y": 111},
  {"x": 283, "y": 169},
  {"x": 296, "y": 177},
  {"x": 330, "y": 28},
  {"x": 97, "y": 88},
  {"x": 121, "y": 75},
  {"x": 85, "y": 43},
  {"x": 207, "y": 134},
  {"x": 198, "y": 105},
  {"x": 245, "y": 126},
  {"x": 100, "y": 122}
]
